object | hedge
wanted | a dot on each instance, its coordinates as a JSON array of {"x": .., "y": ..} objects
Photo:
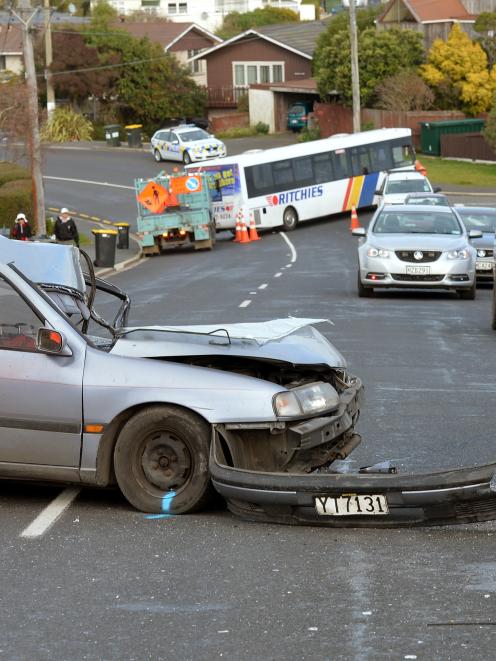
[
  {"x": 12, "y": 172},
  {"x": 15, "y": 197}
]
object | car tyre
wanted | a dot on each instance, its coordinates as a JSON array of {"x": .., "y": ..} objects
[
  {"x": 468, "y": 294},
  {"x": 363, "y": 290},
  {"x": 289, "y": 219},
  {"x": 161, "y": 460},
  {"x": 157, "y": 155},
  {"x": 186, "y": 158}
]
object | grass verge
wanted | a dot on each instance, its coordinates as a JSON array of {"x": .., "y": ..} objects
[{"x": 459, "y": 173}]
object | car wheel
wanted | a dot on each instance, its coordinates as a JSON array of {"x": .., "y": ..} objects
[
  {"x": 289, "y": 219},
  {"x": 363, "y": 290},
  {"x": 186, "y": 158},
  {"x": 161, "y": 461},
  {"x": 157, "y": 155},
  {"x": 468, "y": 294}
]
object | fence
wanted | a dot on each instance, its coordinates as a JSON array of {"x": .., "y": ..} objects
[{"x": 466, "y": 145}]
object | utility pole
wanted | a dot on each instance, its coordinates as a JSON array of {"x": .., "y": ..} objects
[
  {"x": 355, "y": 76},
  {"x": 26, "y": 11},
  {"x": 48, "y": 59}
]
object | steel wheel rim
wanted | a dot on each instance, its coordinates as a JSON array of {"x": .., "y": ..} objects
[
  {"x": 166, "y": 460},
  {"x": 290, "y": 218}
]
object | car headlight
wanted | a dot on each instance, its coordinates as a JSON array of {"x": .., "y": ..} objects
[
  {"x": 305, "y": 400},
  {"x": 377, "y": 252},
  {"x": 461, "y": 253},
  {"x": 481, "y": 253}
]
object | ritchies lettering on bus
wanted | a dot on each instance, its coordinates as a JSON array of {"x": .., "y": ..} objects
[{"x": 295, "y": 195}]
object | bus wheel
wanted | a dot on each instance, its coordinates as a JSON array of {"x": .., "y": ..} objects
[{"x": 289, "y": 219}]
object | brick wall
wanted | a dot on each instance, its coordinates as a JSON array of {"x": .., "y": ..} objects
[{"x": 232, "y": 120}]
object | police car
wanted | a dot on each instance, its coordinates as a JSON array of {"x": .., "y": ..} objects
[{"x": 186, "y": 143}]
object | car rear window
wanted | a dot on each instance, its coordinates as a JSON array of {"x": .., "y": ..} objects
[
  {"x": 398, "y": 222},
  {"x": 435, "y": 201},
  {"x": 408, "y": 186},
  {"x": 484, "y": 221}
]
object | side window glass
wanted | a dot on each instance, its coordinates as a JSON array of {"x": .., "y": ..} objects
[
  {"x": 322, "y": 168},
  {"x": 283, "y": 174},
  {"x": 360, "y": 159},
  {"x": 18, "y": 323},
  {"x": 173, "y": 138},
  {"x": 340, "y": 164},
  {"x": 303, "y": 171},
  {"x": 165, "y": 136}
]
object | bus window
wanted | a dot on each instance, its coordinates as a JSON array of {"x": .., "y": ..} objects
[
  {"x": 380, "y": 156},
  {"x": 283, "y": 174},
  {"x": 360, "y": 160},
  {"x": 402, "y": 156},
  {"x": 322, "y": 168},
  {"x": 259, "y": 180},
  {"x": 303, "y": 171},
  {"x": 340, "y": 164}
]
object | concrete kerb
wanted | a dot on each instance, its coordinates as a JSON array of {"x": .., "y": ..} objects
[{"x": 104, "y": 224}]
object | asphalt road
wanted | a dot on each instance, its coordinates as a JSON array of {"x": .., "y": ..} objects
[{"x": 106, "y": 582}]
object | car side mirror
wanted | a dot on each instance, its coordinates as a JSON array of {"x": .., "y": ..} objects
[
  {"x": 378, "y": 192},
  {"x": 475, "y": 234},
  {"x": 437, "y": 189},
  {"x": 359, "y": 231},
  {"x": 51, "y": 342}
]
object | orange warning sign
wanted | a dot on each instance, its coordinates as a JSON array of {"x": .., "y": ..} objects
[
  {"x": 154, "y": 197},
  {"x": 184, "y": 185}
]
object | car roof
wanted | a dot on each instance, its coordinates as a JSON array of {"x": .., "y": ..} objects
[
  {"x": 406, "y": 174},
  {"x": 426, "y": 194},
  {"x": 416, "y": 208},
  {"x": 180, "y": 127},
  {"x": 462, "y": 207}
]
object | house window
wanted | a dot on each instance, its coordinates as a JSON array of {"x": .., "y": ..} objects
[
  {"x": 196, "y": 66},
  {"x": 250, "y": 73},
  {"x": 177, "y": 8}
]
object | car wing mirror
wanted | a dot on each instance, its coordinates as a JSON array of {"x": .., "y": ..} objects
[
  {"x": 51, "y": 342},
  {"x": 475, "y": 234},
  {"x": 437, "y": 189},
  {"x": 378, "y": 192},
  {"x": 359, "y": 231}
]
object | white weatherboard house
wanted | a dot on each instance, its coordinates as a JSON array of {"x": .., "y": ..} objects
[{"x": 207, "y": 13}]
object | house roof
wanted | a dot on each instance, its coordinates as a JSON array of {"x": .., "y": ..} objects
[
  {"x": 431, "y": 11},
  {"x": 165, "y": 33},
  {"x": 10, "y": 39},
  {"x": 299, "y": 38}
]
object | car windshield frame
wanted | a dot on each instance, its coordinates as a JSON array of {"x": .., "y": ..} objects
[
  {"x": 198, "y": 132},
  {"x": 431, "y": 221},
  {"x": 471, "y": 224}
]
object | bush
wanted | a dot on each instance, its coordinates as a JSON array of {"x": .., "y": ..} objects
[
  {"x": 489, "y": 130},
  {"x": 243, "y": 103},
  {"x": 261, "y": 127},
  {"x": 238, "y": 132},
  {"x": 65, "y": 125},
  {"x": 308, "y": 134},
  {"x": 15, "y": 197},
  {"x": 12, "y": 172}
]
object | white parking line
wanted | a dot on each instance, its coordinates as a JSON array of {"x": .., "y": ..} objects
[
  {"x": 294, "y": 254},
  {"x": 51, "y": 513},
  {"x": 245, "y": 304},
  {"x": 264, "y": 286}
]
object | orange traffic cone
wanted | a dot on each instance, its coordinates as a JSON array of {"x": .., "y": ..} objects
[
  {"x": 354, "y": 224},
  {"x": 253, "y": 229},
  {"x": 244, "y": 230},
  {"x": 420, "y": 168},
  {"x": 237, "y": 237}
]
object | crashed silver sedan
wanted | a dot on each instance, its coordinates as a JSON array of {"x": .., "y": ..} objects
[{"x": 91, "y": 401}]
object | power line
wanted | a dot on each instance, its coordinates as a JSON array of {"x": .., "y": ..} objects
[{"x": 106, "y": 66}]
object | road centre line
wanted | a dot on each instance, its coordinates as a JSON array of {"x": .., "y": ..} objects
[
  {"x": 47, "y": 517},
  {"x": 277, "y": 275},
  {"x": 294, "y": 254},
  {"x": 245, "y": 304},
  {"x": 87, "y": 181},
  {"x": 264, "y": 286}
]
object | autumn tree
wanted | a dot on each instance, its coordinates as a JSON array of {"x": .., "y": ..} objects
[
  {"x": 457, "y": 70},
  {"x": 380, "y": 55},
  {"x": 404, "y": 91}
]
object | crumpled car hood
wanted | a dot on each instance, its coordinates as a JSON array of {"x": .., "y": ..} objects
[{"x": 294, "y": 341}]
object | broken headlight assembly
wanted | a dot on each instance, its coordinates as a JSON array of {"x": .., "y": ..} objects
[{"x": 307, "y": 400}]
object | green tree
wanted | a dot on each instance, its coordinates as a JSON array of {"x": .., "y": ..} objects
[
  {"x": 489, "y": 130},
  {"x": 380, "y": 55},
  {"x": 235, "y": 22},
  {"x": 485, "y": 25},
  {"x": 457, "y": 70}
]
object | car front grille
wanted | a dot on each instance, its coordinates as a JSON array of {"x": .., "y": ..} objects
[
  {"x": 402, "y": 277},
  {"x": 427, "y": 256}
]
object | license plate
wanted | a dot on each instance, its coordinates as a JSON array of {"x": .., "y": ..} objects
[
  {"x": 351, "y": 505},
  {"x": 484, "y": 265},
  {"x": 418, "y": 270}
]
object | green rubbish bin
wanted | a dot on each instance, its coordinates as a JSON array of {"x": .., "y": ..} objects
[
  {"x": 113, "y": 134},
  {"x": 122, "y": 235},
  {"x": 134, "y": 135},
  {"x": 430, "y": 132},
  {"x": 105, "y": 247}
]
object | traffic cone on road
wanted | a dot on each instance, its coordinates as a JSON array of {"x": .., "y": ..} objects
[
  {"x": 253, "y": 229},
  {"x": 237, "y": 236},
  {"x": 244, "y": 230},
  {"x": 354, "y": 224}
]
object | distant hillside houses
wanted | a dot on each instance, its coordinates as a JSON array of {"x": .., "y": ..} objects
[{"x": 209, "y": 14}]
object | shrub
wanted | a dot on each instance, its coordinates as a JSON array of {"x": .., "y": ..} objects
[
  {"x": 238, "y": 132},
  {"x": 12, "y": 172},
  {"x": 261, "y": 127},
  {"x": 308, "y": 134},
  {"x": 243, "y": 103},
  {"x": 65, "y": 125},
  {"x": 15, "y": 197},
  {"x": 489, "y": 130}
]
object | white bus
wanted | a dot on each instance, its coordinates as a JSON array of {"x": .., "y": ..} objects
[{"x": 286, "y": 185}]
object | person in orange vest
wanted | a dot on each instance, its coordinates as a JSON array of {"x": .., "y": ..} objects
[{"x": 22, "y": 229}]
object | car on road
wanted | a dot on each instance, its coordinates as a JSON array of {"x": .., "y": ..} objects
[
  {"x": 482, "y": 219},
  {"x": 416, "y": 247},
  {"x": 186, "y": 143},
  {"x": 90, "y": 401},
  {"x": 435, "y": 199},
  {"x": 397, "y": 185}
]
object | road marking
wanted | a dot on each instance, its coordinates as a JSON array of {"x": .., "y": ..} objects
[
  {"x": 53, "y": 209},
  {"x": 51, "y": 513},
  {"x": 253, "y": 293},
  {"x": 107, "y": 222},
  {"x": 95, "y": 218},
  {"x": 278, "y": 275},
  {"x": 87, "y": 181},
  {"x": 245, "y": 304},
  {"x": 264, "y": 286},
  {"x": 294, "y": 254},
  {"x": 84, "y": 215},
  {"x": 288, "y": 266}
]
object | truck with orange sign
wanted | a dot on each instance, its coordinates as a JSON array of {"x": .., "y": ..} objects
[{"x": 174, "y": 210}]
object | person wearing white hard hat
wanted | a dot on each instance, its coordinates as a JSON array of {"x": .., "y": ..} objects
[
  {"x": 22, "y": 229},
  {"x": 65, "y": 228}
]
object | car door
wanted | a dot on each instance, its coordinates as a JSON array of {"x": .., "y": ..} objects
[
  {"x": 163, "y": 138},
  {"x": 174, "y": 147},
  {"x": 40, "y": 394}
]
